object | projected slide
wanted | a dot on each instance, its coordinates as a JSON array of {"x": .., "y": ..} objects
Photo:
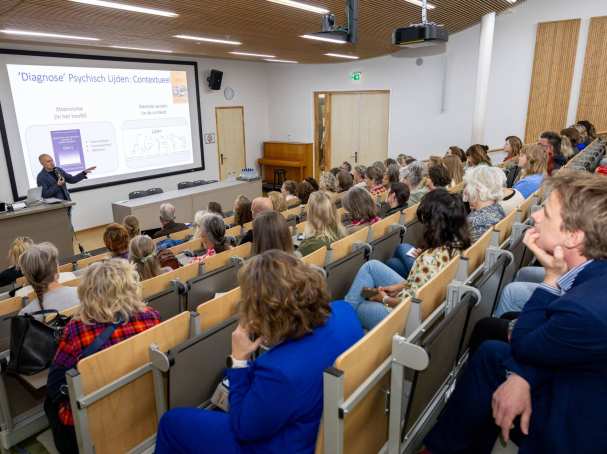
[{"x": 124, "y": 121}]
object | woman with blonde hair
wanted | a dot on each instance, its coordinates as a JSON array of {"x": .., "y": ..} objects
[
  {"x": 275, "y": 399},
  {"x": 455, "y": 168},
  {"x": 323, "y": 225},
  {"x": 142, "y": 253},
  {"x": 131, "y": 224},
  {"x": 279, "y": 203},
  {"x": 41, "y": 269},
  {"x": 328, "y": 183},
  {"x": 533, "y": 161},
  {"x": 17, "y": 247},
  {"x": 111, "y": 310}
]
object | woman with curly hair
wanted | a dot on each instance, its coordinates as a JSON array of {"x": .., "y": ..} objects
[
  {"x": 377, "y": 287},
  {"x": 275, "y": 399}
]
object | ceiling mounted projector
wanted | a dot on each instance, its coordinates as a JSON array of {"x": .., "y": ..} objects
[
  {"x": 420, "y": 35},
  {"x": 331, "y": 32}
]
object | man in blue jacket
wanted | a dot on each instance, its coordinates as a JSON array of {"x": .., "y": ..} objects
[
  {"x": 548, "y": 385},
  {"x": 53, "y": 179}
]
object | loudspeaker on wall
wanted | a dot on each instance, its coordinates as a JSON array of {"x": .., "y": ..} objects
[{"x": 214, "y": 79}]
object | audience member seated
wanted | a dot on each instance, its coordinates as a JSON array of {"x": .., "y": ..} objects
[
  {"x": 457, "y": 151},
  {"x": 374, "y": 178},
  {"x": 391, "y": 175},
  {"x": 110, "y": 303},
  {"x": 533, "y": 163},
  {"x": 131, "y": 224},
  {"x": 211, "y": 230},
  {"x": 312, "y": 182},
  {"x": 142, "y": 253},
  {"x": 455, "y": 169},
  {"x": 242, "y": 210},
  {"x": 587, "y": 133},
  {"x": 323, "y": 225},
  {"x": 511, "y": 200},
  {"x": 346, "y": 166},
  {"x": 552, "y": 371},
  {"x": 445, "y": 235},
  {"x": 344, "y": 181},
  {"x": 359, "y": 174},
  {"x": 512, "y": 147},
  {"x": 40, "y": 267},
  {"x": 552, "y": 144},
  {"x": 476, "y": 155},
  {"x": 517, "y": 293},
  {"x": 335, "y": 171},
  {"x": 276, "y": 399},
  {"x": 361, "y": 208},
  {"x": 412, "y": 176},
  {"x": 279, "y": 203},
  {"x": 483, "y": 186},
  {"x": 568, "y": 150},
  {"x": 304, "y": 189},
  {"x": 271, "y": 231},
  {"x": 328, "y": 183},
  {"x": 167, "y": 221},
  {"x": 438, "y": 177},
  {"x": 116, "y": 239},
  {"x": 398, "y": 196},
  {"x": 260, "y": 205},
  {"x": 381, "y": 166},
  {"x": 289, "y": 191},
  {"x": 215, "y": 207},
  {"x": 17, "y": 247}
]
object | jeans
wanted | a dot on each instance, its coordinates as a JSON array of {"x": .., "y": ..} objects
[
  {"x": 400, "y": 261},
  {"x": 372, "y": 274},
  {"x": 517, "y": 293}
]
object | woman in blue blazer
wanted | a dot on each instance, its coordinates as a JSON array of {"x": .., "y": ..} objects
[{"x": 275, "y": 400}]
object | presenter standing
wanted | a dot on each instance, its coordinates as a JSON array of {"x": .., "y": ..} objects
[{"x": 53, "y": 179}]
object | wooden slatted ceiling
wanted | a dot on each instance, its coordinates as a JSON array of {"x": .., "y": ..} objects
[
  {"x": 593, "y": 94},
  {"x": 555, "y": 50},
  {"x": 262, "y": 26}
]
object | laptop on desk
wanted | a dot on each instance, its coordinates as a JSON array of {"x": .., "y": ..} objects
[{"x": 34, "y": 197}]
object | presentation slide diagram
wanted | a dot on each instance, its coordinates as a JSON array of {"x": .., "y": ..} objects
[{"x": 123, "y": 121}]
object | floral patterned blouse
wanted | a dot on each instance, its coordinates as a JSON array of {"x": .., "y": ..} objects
[{"x": 427, "y": 265}]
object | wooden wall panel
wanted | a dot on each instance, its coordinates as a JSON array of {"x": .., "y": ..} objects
[
  {"x": 555, "y": 51},
  {"x": 592, "y": 105}
]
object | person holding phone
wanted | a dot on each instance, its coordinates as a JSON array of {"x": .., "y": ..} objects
[
  {"x": 275, "y": 400},
  {"x": 53, "y": 179}
]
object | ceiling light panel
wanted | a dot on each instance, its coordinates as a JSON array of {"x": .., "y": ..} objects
[
  {"x": 274, "y": 60},
  {"x": 142, "y": 49},
  {"x": 47, "y": 35},
  {"x": 300, "y": 5},
  {"x": 249, "y": 54},
  {"x": 322, "y": 38},
  {"x": 208, "y": 40},
  {"x": 350, "y": 57},
  {"x": 125, "y": 7}
]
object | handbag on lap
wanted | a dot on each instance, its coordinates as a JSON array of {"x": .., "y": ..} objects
[{"x": 33, "y": 343}]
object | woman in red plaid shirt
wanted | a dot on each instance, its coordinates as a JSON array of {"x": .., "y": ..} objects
[{"x": 109, "y": 293}]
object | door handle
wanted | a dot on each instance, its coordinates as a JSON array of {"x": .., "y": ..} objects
[
  {"x": 356, "y": 156},
  {"x": 221, "y": 158}
]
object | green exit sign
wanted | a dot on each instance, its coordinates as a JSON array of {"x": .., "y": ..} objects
[{"x": 356, "y": 76}]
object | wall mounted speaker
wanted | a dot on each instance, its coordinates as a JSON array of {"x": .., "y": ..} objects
[{"x": 214, "y": 79}]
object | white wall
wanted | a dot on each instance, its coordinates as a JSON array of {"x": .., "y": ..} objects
[
  {"x": 418, "y": 126},
  {"x": 250, "y": 83}
]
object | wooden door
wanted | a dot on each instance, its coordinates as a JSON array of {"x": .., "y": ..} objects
[
  {"x": 373, "y": 114},
  {"x": 230, "y": 140},
  {"x": 359, "y": 127},
  {"x": 344, "y": 128}
]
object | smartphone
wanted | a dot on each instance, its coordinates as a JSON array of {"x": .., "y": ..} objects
[
  {"x": 368, "y": 292},
  {"x": 412, "y": 253}
]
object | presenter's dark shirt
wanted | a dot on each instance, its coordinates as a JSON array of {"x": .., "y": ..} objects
[{"x": 48, "y": 181}]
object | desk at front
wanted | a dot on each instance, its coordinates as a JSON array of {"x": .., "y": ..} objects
[{"x": 44, "y": 222}]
